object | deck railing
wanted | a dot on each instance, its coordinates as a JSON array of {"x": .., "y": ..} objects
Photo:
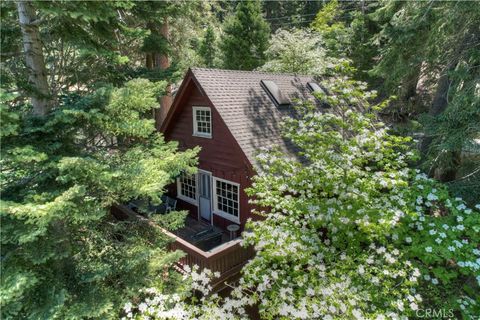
[{"x": 227, "y": 259}]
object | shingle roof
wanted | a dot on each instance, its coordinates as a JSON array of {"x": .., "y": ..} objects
[{"x": 247, "y": 110}]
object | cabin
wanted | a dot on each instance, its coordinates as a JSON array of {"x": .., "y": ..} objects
[{"x": 231, "y": 115}]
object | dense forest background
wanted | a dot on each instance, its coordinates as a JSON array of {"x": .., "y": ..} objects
[{"x": 82, "y": 89}]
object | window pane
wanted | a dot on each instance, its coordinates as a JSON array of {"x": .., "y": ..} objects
[
  {"x": 187, "y": 186},
  {"x": 203, "y": 118},
  {"x": 227, "y": 198}
]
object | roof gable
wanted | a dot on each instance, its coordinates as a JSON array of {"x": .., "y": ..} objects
[{"x": 247, "y": 110}]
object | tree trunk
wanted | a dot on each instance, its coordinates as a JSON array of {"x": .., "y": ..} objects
[
  {"x": 439, "y": 104},
  {"x": 166, "y": 100},
  {"x": 32, "y": 45},
  {"x": 159, "y": 60},
  {"x": 148, "y": 61}
]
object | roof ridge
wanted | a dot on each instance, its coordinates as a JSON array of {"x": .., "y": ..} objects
[{"x": 253, "y": 71}]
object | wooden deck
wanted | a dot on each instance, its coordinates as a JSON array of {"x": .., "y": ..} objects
[
  {"x": 228, "y": 258},
  {"x": 195, "y": 227}
]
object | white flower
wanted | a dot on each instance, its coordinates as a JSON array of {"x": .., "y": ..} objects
[
  {"x": 413, "y": 306},
  {"x": 357, "y": 314},
  {"x": 142, "y": 307},
  {"x": 127, "y": 307},
  {"x": 361, "y": 269},
  {"x": 408, "y": 240},
  {"x": 428, "y": 249},
  {"x": 451, "y": 248},
  {"x": 434, "y": 281},
  {"x": 432, "y": 197}
]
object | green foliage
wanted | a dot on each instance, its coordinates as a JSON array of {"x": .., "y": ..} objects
[
  {"x": 245, "y": 37},
  {"x": 328, "y": 23},
  {"x": 349, "y": 230},
  {"x": 290, "y": 14},
  {"x": 296, "y": 51},
  {"x": 208, "y": 48},
  {"x": 428, "y": 56},
  {"x": 63, "y": 253}
]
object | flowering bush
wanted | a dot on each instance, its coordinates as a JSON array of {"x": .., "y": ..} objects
[
  {"x": 350, "y": 232},
  {"x": 193, "y": 301}
]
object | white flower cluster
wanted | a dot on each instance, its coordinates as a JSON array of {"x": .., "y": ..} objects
[
  {"x": 158, "y": 305},
  {"x": 349, "y": 231}
]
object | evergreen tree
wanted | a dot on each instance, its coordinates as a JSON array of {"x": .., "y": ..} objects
[
  {"x": 296, "y": 14},
  {"x": 428, "y": 56},
  {"x": 329, "y": 23},
  {"x": 64, "y": 255},
  {"x": 246, "y": 37},
  {"x": 208, "y": 48}
]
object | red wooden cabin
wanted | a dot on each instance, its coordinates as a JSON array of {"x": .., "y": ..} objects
[{"x": 231, "y": 115}]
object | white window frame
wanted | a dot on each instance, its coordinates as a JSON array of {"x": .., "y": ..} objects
[
  {"x": 195, "y": 124},
  {"x": 185, "y": 198},
  {"x": 219, "y": 212}
]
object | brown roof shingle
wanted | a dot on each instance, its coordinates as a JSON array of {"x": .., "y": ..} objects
[{"x": 247, "y": 110}]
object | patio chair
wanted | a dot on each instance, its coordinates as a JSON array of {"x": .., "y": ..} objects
[
  {"x": 171, "y": 204},
  {"x": 168, "y": 204}
]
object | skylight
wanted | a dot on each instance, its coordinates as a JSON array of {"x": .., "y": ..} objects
[
  {"x": 314, "y": 87},
  {"x": 275, "y": 93}
]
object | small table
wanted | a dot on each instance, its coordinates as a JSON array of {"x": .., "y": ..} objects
[{"x": 233, "y": 228}]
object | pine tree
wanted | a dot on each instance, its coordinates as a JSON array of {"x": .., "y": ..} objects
[
  {"x": 208, "y": 48},
  {"x": 429, "y": 58},
  {"x": 246, "y": 37},
  {"x": 63, "y": 254}
]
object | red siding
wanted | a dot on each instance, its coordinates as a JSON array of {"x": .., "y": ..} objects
[{"x": 220, "y": 155}]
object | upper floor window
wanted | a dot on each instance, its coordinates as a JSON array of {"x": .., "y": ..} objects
[{"x": 202, "y": 122}]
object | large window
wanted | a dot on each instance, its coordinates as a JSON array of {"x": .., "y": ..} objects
[
  {"x": 187, "y": 187},
  {"x": 202, "y": 122},
  {"x": 227, "y": 199}
]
